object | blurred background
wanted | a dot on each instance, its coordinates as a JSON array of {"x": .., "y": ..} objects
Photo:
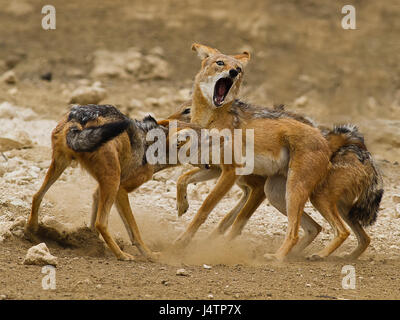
[{"x": 136, "y": 55}]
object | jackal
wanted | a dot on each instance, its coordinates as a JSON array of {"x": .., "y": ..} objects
[
  {"x": 112, "y": 148},
  {"x": 288, "y": 152},
  {"x": 354, "y": 184}
]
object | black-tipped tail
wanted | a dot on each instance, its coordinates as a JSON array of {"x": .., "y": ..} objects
[
  {"x": 366, "y": 208},
  {"x": 91, "y": 138}
]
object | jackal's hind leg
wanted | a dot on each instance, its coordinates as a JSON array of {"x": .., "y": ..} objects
[
  {"x": 256, "y": 197},
  {"x": 330, "y": 212},
  {"x": 125, "y": 212},
  {"x": 275, "y": 190},
  {"x": 362, "y": 237},
  {"x": 228, "y": 220}
]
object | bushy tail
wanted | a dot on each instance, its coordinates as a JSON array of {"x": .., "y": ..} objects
[
  {"x": 365, "y": 209},
  {"x": 91, "y": 138},
  {"x": 343, "y": 135},
  {"x": 347, "y": 138}
]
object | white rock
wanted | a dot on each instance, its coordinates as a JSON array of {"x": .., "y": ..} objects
[
  {"x": 40, "y": 255},
  {"x": 9, "y": 77},
  {"x": 88, "y": 95},
  {"x": 301, "y": 101},
  {"x": 136, "y": 104},
  {"x": 182, "y": 272},
  {"x": 205, "y": 266}
]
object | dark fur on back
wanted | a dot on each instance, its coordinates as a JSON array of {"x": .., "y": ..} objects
[
  {"x": 241, "y": 109},
  {"x": 92, "y": 138},
  {"x": 91, "y": 112},
  {"x": 89, "y": 139}
]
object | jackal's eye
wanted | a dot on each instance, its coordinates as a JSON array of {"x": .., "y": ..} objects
[
  {"x": 186, "y": 111},
  {"x": 220, "y": 63}
]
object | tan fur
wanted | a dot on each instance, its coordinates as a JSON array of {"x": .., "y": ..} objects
[
  {"x": 346, "y": 180},
  {"x": 308, "y": 151},
  {"x": 118, "y": 170}
]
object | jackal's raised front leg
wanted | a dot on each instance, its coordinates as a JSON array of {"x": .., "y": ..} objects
[
  {"x": 192, "y": 176},
  {"x": 224, "y": 184}
]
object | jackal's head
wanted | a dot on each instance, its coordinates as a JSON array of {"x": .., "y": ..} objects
[{"x": 220, "y": 76}]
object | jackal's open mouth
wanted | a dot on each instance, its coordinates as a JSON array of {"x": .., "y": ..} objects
[{"x": 221, "y": 89}]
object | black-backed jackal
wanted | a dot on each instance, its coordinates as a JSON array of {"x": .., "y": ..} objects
[
  {"x": 112, "y": 148},
  {"x": 293, "y": 157},
  {"x": 353, "y": 183}
]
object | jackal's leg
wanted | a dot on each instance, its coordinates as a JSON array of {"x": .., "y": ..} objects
[
  {"x": 247, "y": 184},
  {"x": 275, "y": 190},
  {"x": 362, "y": 237},
  {"x": 301, "y": 181},
  {"x": 107, "y": 172},
  {"x": 57, "y": 167},
  {"x": 192, "y": 176},
  {"x": 228, "y": 220},
  {"x": 256, "y": 197},
  {"x": 330, "y": 212},
  {"x": 224, "y": 184},
  {"x": 107, "y": 195},
  {"x": 125, "y": 212},
  {"x": 95, "y": 207}
]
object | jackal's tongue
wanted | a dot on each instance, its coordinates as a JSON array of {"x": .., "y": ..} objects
[{"x": 221, "y": 90}]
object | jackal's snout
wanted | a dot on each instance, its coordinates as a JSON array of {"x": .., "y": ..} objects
[{"x": 233, "y": 73}]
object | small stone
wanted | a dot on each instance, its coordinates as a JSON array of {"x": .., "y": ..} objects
[
  {"x": 205, "y": 266},
  {"x": 136, "y": 104},
  {"x": 152, "y": 102},
  {"x": 210, "y": 296},
  {"x": 9, "y": 77},
  {"x": 3, "y": 297},
  {"x": 182, "y": 272},
  {"x": 13, "y": 91},
  {"x": 308, "y": 285},
  {"x": 98, "y": 286},
  {"x": 301, "y": 101},
  {"x": 40, "y": 255},
  {"x": 165, "y": 282},
  {"x": 88, "y": 95}
]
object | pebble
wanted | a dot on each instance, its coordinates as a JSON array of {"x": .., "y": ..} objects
[
  {"x": 9, "y": 77},
  {"x": 182, "y": 272}
]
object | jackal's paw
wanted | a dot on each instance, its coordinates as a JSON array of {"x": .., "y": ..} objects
[
  {"x": 126, "y": 257},
  {"x": 315, "y": 257},
  {"x": 30, "y": 233},
  {"x": 182, "y": 208}
]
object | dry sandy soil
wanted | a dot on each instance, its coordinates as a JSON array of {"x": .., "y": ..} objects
[{"x": 138, "y": 52}]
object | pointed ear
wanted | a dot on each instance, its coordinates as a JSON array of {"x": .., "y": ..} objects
[
  {"x": 243, "y": 57},
  {"x": 204, "y": 51}
]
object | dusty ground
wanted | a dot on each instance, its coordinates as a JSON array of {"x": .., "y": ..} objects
[{"x": 301, "y": 57}]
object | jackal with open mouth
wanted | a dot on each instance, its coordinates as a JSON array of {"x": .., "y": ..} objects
[
  {"x": 354, "y": 184},
  {"x": 290, "y": 153}
]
